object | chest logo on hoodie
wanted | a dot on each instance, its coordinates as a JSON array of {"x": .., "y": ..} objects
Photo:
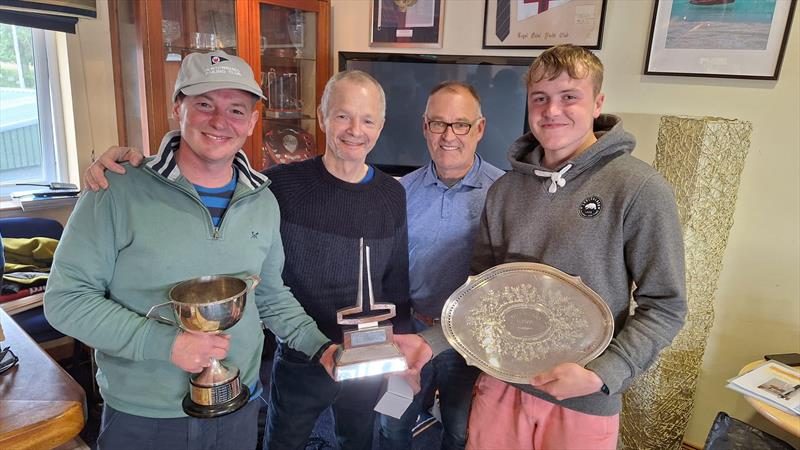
[{"x": 591, "y": 206}]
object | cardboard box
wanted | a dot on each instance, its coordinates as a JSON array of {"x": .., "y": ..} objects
[{"x": 397, "y": 397}]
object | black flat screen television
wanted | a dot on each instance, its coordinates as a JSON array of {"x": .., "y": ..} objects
[{"x": 407, "y": 80}]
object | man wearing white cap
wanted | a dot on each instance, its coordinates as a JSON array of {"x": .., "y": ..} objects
[{"x": 197, "y": 208}]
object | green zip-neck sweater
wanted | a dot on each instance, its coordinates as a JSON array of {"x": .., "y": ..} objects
[{"x": 125, "y": 247}]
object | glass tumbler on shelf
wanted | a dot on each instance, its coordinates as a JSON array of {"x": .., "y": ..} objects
[
  {"x": 205, "y": 41},
  {"x": 272, "y": 90},
  {"x": 297, "y": 31},
  {"x": 291, "y": 99},
  {"x": 171, "y": 29}
]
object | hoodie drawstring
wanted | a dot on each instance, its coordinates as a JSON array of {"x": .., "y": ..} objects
[{"x": 556, "y": 177}]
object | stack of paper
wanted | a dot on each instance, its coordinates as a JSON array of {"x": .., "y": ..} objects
[
  {"x": 45, "y": 199},
  {"x": 773, "y": 383}
]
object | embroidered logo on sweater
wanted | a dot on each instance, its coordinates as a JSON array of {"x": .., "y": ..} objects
[{"x": 591, "y": 206}]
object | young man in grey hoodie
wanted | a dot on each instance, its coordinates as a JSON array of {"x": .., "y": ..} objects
[{"x": 578, "y": 201}]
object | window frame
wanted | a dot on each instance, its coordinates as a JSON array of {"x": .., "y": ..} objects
[{"x": 49, "y": 103}]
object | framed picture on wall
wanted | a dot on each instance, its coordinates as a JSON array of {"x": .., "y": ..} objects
[
  {"x": 406, "y": 23},
  {"x": 543, "y": 23},
  {"x": 719, "y": 38}
]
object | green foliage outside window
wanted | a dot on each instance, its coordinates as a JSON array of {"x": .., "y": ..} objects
[{"x": 9, "y": 74}]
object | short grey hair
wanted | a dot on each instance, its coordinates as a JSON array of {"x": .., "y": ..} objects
[
  {"x": 456, "y": 87},
  {"x": 356, "y": 77}
]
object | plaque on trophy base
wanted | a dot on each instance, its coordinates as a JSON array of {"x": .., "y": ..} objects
[{"x": 369, "y": 349}]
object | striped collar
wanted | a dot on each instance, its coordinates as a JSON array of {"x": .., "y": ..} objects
[{"x": 165, "y": 164}]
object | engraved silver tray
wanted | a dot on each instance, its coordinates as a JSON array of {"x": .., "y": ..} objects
[{"x": 519, "y": 319}]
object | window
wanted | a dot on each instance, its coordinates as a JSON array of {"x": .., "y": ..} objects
[{"x": 32, "y": 146}]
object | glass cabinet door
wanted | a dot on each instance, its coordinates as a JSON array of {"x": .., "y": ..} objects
[
  {"x": 189, "y": 26},
  {"x": 288, "y": 55}
]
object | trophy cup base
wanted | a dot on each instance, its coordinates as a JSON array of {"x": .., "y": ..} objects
[{"x": 208, "y": 411}]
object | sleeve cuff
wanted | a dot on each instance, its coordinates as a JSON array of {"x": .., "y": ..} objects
[
  {"x": 315, "y": 342},
  {"x": 159, "y": 342},
  {"x": 321, "y": 350},
  {"x": 613, "y": 369},
  {"x": 434, "y": 336}
]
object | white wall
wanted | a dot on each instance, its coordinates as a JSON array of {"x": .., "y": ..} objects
[
  {"x": 92, "y": 78},
  {"x": 758, "y": 299}
]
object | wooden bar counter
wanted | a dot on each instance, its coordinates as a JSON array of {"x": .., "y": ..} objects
[{"x": 41, "y": 406}]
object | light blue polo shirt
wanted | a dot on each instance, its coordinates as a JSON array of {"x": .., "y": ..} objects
[{"x": 442, "y": 224}]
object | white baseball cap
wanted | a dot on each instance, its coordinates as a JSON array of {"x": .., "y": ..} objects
[{"x": 206, "y": 72}]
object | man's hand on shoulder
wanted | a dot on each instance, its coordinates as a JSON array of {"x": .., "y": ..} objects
[
  {"x": 567, "y": 380},
  {"x": 192, "y": 352},
  {"x": 95, "y": 179}
]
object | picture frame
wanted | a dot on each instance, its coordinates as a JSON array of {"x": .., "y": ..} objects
[
  {"x": 541, "y": 24},
  {"x": 406, "y": 23},
  {"x": 719, "y": 38}
]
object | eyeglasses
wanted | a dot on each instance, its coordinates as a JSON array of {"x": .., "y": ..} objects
[
  {"x": 7, "y": 359},
  {"x": 459, "y": 128}
]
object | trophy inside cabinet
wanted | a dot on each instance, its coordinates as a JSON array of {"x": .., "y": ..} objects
[{"x": 288, "y": 77}]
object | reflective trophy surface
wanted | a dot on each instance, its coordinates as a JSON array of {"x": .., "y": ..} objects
[
  {"x": 210, "y": 304},
  {"x": 369, "y": 349}
]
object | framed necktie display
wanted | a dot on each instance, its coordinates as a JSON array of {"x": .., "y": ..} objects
[
  {"x": 532, "y": 24},
  {"x": 406, "y": 23}
]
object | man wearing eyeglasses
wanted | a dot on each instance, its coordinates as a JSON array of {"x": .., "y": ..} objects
[{"x": 444, "y": 202}]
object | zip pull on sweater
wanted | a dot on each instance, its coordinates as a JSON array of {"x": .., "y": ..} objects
[{"x": 556, "y": 178}]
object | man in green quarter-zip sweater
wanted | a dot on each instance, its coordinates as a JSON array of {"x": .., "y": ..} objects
[{"x": 195, "y": 209}]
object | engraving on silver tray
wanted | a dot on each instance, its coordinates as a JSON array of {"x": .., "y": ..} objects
[{"x": 522, "y": 323}]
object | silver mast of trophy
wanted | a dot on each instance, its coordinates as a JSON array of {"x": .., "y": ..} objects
[{"x": 368, "y": 350}]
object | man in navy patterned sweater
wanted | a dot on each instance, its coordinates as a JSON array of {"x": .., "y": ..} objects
[{"x": 327, "y": 204}]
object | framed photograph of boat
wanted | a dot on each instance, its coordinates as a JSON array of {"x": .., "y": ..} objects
[
  {"x": 532, "y": 24},
  {"x": 406, "y": 23},
  {"x": 719, "y": 38}
]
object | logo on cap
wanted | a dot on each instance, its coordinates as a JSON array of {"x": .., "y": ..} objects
[{"x": 217, "y": 59}]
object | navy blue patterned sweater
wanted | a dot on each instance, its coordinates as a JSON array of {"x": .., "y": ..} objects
[{"x": 322, "y": 219}]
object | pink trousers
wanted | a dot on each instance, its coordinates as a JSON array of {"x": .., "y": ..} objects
[{"x": 503, "y": 417}]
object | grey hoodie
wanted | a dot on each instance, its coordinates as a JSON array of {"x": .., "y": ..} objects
[{"x": 612, "y": 221}]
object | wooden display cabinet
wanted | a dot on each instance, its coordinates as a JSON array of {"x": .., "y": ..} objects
[{"x": 286, "y": 43}]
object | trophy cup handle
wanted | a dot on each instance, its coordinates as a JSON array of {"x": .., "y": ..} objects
[
  {"x": 154, "y": 314},
  {"x": 254, "y": 279}
]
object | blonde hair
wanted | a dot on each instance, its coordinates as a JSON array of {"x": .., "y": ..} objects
[{"x": 578, "y": 62}]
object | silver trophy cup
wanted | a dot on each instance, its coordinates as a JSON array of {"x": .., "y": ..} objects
[{"x": 210, "y": 304}]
